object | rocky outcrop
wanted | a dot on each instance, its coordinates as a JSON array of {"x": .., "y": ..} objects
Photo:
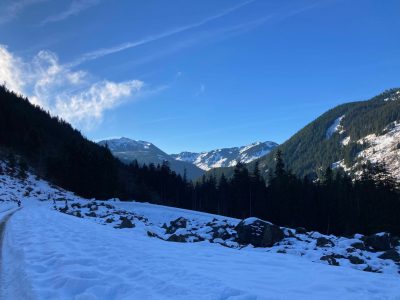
[{"x": 258, "y": 233}]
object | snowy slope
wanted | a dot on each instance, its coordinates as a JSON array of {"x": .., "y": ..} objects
[
  {"x": 226, "y": 157},
  {"x": 61, "y": 256}
]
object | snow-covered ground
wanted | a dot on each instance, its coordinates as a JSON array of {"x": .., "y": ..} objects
[{"x": 47, "y": 254}]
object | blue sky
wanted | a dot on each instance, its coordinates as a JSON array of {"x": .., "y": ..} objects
[{"x": 197, "y": 75}]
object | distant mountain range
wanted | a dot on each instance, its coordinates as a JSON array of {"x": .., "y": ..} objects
[
  {"x": 226, "y": 157},
  {"x": 195, "y": 164}
]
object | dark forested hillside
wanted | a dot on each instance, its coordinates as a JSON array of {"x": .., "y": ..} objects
[
  {"x": 62, "y": 155},
  {"x": 311, "y": 150}
]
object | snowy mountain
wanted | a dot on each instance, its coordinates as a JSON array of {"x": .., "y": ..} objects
[
  {"x": 76, "y": 248},
  {"x": 128, "y": 150},
  {"x": 226, "y": 157}
]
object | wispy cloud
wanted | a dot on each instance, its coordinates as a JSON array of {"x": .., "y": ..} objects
[
  {"x": 121, "y": 47},
  {"x": 73, "y": 95},
  {"x": 76, "y": 7},
  {"x": 201, "y": 90},
  {"x": 200, "y": 37},
  {"x": 13, "y": 9}
]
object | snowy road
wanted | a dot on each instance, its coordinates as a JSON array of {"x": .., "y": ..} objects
[{"x": 49, "y": 255}]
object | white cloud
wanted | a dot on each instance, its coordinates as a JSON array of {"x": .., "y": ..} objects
[
  {"x": 74, "y": 9},
  {"x": 88, "y": 106},
  {"x": 73, "y": 95},
  {"x": 10, "y": 67}
]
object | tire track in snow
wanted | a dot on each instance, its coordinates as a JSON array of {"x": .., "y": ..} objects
[{"x": 3, "y": 223}]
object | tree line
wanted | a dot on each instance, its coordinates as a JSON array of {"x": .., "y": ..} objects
[{"x": 333, "y": 204}]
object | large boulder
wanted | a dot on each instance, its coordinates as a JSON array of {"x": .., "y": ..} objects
[
  {"x": 258, "y": 233},
  {"x": 379, "y": 242}
]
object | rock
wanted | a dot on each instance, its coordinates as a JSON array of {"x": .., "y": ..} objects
[
  {"x": 369, "y": 269},
  {"x": 109, "y": 220},
  {"x": 177, "y": 238},
  {"x": 358, "y": 245},
  {"x": 338, "y": 256},
  {"x": 378, "y": 242},
  {"x": 221, "y": 233},
  {"x": 77, "y": 214},
  {"x": 301, "y": 230},
  {"x": 324, "y": 242},
  {"x": 330, "y": 259},
  {"x": 76, "y": 205},
  {"x": 258, "y": 233},
  {"x": 126, "y": 223},
  {"x": 391, "y": 254},
  {"x": 176, "y": 224},
  {"x": 153, "y": 234},
  {"x": 91, "y": 214},
  {"x": 355, "y": 260},
  {"x": 93, "y": 207},
  {"x": 283, "y": 251}
]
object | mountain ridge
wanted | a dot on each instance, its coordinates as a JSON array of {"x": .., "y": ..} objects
[{"x": 226, "y": 157}]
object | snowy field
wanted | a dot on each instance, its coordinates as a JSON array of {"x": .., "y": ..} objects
[
  {"x": 50, "y": 255},
  {"x": 47, "y": 254}
]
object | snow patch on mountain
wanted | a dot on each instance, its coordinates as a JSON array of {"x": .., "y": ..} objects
[
  {"x": 226, "y": 157},
  {"x": 393, "y": 97},
  {"x": 335, "y": 127},
  {"x": 384, "y": 148}
]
